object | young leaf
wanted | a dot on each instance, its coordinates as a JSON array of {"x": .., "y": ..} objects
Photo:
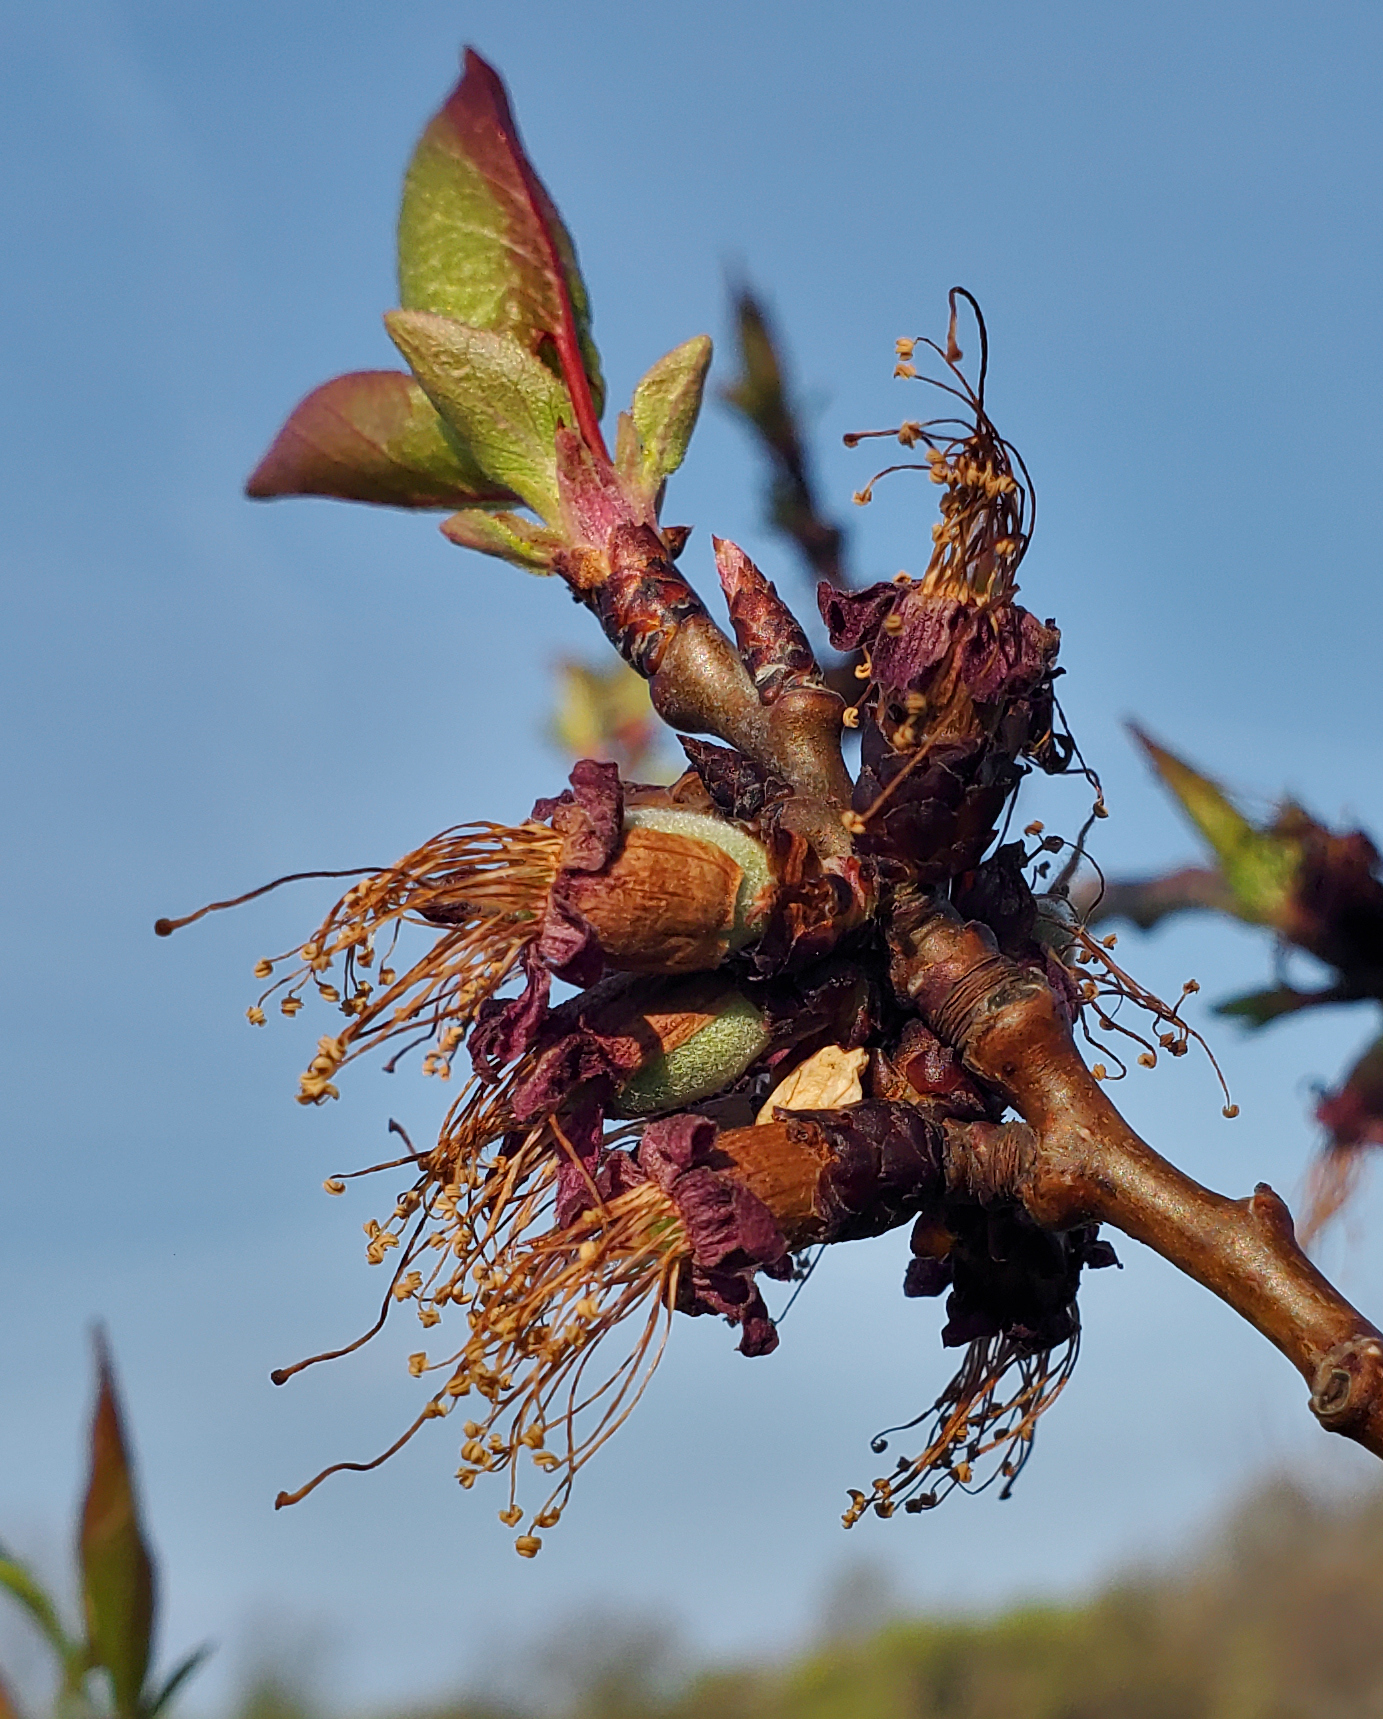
[
  {"x": 117, "y": 1571},
  {"x": 373, "y": 436},
  {"x": 481, "y": 241},
  {"x": 1259, "y": 867},
  {"x": 666, "y": 405},
  {"x": 24, "y": 1587},
  {"x": 506, "y": 535},
  {"x": 175, "y": 1680},
  {"x": 503, "y": 403}
]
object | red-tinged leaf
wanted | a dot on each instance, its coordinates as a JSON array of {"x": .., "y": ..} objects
[
  {"x": 117, "y": 1571},
  {"x": 481, "y": 241},
  {"x": 9, "y": 1708},
  {"x": 373, "y": 436},
  {"x": 1354, "y": 1114},
  {"x": 594, "y": 500},
  {"x": 1353, "y": 1120}
]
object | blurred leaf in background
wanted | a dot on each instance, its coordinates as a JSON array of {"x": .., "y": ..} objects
[
  {"x": 763, "y": 399},
  {"x": 1317, "y": 890},
  {"x": 106, "y": 1670},
  {"x": 606, "y": 713}
]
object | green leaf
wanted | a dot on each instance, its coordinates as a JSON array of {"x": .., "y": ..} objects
[
  {"x": 117, "y": 1571},
  {"x": 499, "y": 399},
  {"x": 666, "y": 405},
  {"x": 506, "y": 535},
  {"x": 22, "y": 1585},
  {"x": 480, "y": 240},
  {"x": 1260, "y": 867},
  {"x": 373, "y": 436},
  {"x": 1258, "y": 1008},
  {"x": 175, "y": 1680}
]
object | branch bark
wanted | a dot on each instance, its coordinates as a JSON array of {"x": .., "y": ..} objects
[
  {"x": 700, "y": 685},
  {"x": 1079, "y": 1161}
]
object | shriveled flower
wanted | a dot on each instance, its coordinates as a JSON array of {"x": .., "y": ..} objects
[{"x": 545, "y": 1240}]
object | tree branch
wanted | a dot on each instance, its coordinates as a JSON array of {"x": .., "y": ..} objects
[
  {"x": 700, "y": 685},
  {"x": 1078, "y": 1161}
]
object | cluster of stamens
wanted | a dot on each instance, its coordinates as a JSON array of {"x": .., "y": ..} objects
[
  {"x": 985, "y": 519},
  {"x": 483, "y": 884},
  {"x": 979, "y": 1430},
  {"x": 537, "y": 1298}
]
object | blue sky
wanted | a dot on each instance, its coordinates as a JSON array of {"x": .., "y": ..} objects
[{"x": 1171, "y": 216}]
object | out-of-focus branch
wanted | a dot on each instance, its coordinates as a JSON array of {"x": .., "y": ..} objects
[
  {"x": 1145, "y": 901},
  {"x": 762, "y": 398},
  {"x": 1320, "y": 891},
  {"x": 1081, "y": 1162}
]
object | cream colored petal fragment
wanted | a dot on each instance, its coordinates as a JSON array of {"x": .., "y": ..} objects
[{"x": 825, "y": 1081}]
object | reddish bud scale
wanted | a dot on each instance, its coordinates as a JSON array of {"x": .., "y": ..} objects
[{"x": 771, "y": 642}]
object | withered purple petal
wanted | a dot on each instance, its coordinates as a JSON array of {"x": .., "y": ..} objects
[
  {"x": 673, "y": 1144},
  {"x": 504, "y": 1029},
  {"x": 589, "y": 815}
]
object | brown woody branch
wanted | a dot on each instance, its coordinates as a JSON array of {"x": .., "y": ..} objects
[
  {"x": 700, "y": 685},
  {"x": 1078, "y": 1161}
]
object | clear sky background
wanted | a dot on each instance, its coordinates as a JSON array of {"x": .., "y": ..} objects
[{"x": 1172, "y": 217}]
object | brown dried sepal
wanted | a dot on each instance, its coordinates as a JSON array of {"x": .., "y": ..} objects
[{"x": 666, "y": 904}]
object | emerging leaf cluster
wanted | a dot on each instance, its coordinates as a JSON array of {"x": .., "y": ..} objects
[{"x": 495, "y": 324}]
